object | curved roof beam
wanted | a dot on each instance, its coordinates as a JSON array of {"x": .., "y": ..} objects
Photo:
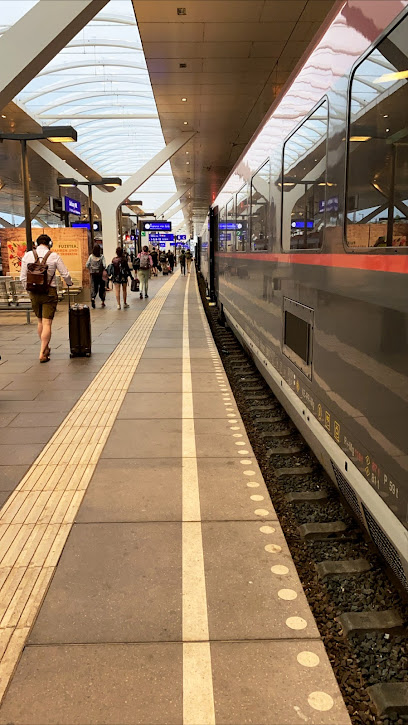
[
  {"x": 82, "y": 81},
  {"x": 97, "y": 117},
  {"x": 92, "y": 94},
  {"x": 88, "y": 64},
  {"x": 120, "y": 19},
  {"x": 104, "y": 44}
]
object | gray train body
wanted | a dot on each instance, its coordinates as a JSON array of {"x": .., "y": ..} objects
[{"x": 325, "y": 312}]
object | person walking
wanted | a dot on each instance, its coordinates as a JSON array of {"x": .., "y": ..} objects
[
  {"x": 155, "y": 260},
  {"x": 119, "y": 272},
  {"x": 45, "y": 300},
  {"x": 170, "y": 257},
  {"x": 96, "y": 265},
  {"x": 182, "y": 260},
  {"x": 145, "y": 264},
  {"x": 189, "y": 258}
]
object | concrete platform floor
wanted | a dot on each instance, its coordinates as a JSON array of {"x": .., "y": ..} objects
[{"x": 144, "y": 576}]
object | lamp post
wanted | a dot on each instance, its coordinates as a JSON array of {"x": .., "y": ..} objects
[
  {"x": 55, "y": 134},
  {"x": 106, "y": 181}
]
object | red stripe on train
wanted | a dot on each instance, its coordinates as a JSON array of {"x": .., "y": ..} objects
[{"x": 376, "y": 262}]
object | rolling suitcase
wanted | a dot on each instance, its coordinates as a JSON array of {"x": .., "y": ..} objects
[{"x": 79, "y": 318}]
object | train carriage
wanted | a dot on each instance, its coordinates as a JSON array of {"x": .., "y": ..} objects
[{"x": 305, "y": 248}]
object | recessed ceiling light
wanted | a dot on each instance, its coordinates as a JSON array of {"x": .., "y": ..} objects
[
  {"x": 185, "y": 123},
  {"x": 184, "y": 99},
  {"x": 187, "y": 162},
  {"x": 3, "y": 116}
]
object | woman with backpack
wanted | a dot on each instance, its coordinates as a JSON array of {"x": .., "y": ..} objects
[
  {"x": 119, "y": 273},
  {"x": 144, "y": 264},
  {"x": 96, "y": 265}
]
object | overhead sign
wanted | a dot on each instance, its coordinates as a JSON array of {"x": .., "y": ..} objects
[
  {"x": 156, "y": 226},
  {"x": 71, "y": 206},
  {"x": 154, "y": 238},
  {"x": 181, "y": 236},
  {"x": 231, "y": 225},
  {"x": 86, "y": 225},
  {"x": 299, "y": 224}
]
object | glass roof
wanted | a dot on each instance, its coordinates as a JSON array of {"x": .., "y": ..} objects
[{"x": 99, "y": 84}]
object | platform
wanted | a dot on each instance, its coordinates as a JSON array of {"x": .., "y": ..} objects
[{"x": 144, "y": 575}]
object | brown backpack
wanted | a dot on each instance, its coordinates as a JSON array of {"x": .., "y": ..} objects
[{"x": 37, "y": 274}]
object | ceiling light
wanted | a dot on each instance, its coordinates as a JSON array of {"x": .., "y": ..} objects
[
  {"x": 185, "y": 123},
  {"x": 360, "y": 138},
  {"x": 58, "y": 134},
  {"x": 3, "y": 116},
  {"x": 386, "y": 115},
  {"x": 386, "y": 130},
  {"x": 187, "y": 152},
  {"x": 187, "y": 162},
  {"x": 184, "y": 99}
]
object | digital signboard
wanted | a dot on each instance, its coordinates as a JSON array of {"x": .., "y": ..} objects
[
  {"x": 154, "y": 238},
  {"x": 156, "y": 226}
]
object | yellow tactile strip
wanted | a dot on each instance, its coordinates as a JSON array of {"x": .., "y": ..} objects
[{"x": 38, "y": 516}]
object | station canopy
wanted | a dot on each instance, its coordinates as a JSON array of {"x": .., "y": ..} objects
[{"x": 99, "y": 84}]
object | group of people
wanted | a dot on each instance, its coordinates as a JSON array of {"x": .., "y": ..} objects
[{"x": 42, "y": 264}]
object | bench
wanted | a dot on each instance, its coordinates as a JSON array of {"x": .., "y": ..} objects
[{"x": 14, "y": 298}]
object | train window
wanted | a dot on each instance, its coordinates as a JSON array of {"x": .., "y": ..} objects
[
  {"x": 230, "y": 230},
  {"x": 259, "y": 209},
  {"x": 377, "y": 195},
  {"x": 304, "y": 183},
  {"x": 221, "y": 230},
  {"x": 242, "y": 219}
]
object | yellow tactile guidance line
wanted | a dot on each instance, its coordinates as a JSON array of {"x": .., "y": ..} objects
[{"x": 38, "y": 516}]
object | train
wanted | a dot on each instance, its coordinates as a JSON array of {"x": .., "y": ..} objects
[{"x": 304, "y": 250}]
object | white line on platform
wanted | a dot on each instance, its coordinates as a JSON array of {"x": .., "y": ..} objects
[{"x": 198, "y": 696}]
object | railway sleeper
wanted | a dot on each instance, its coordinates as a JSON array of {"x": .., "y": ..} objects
[
  {"x": 307, "y": 496},
  {"x": 267, "y": 421},
  {"x": 388, "y": 621},
  {"x": 284, "y": 451},
  {"x": 325, "y": 530},
  {"x": 277, "y": 433},
  {"x": 389, "y": 697},
  {"x": 297, "y": 471},
  {"x": 346, "y": 566}
]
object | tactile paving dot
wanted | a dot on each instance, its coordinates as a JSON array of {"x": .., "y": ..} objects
[
  {"x": 246, "y": 462},
  {"x": 267, "y": 529},
  {"x": 308, "y": 659},
  {"x": 320, "y": 701},
  {"x": 287, "y": 594},
  {"x": 296, "y": 623},
  {"x": 273, "y": 548},
  {"x": 279, "y": 569},
  {"x": 248, "y": 473},
  {"x": 256, "y": 498},
  {"x": 261, "y": 512},
  {"x": 252, "y": 484},
  {"x": 243, "y": 453}
]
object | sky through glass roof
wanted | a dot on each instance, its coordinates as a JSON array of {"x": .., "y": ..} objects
[{"x": 100, "y": 85}]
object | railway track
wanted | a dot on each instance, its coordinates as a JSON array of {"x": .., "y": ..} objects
[{"x": 361, "y": 613}]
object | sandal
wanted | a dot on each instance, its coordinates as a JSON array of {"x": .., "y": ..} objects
[{"x": 44, "y": 359}]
